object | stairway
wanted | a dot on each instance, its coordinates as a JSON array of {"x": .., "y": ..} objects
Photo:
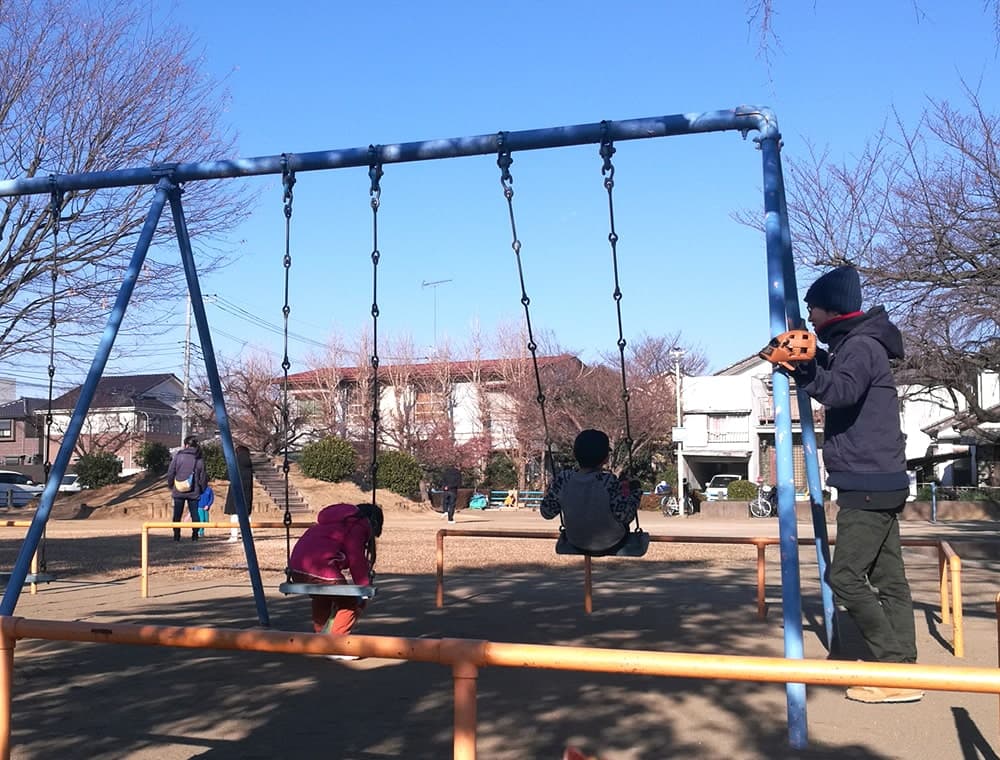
[{"x": 272, "y": 480}]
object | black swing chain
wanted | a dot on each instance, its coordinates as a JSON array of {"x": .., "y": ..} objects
[
  {"x": 55, "y": 209},
  {"x": 608, "y": 171},
  {"x": 504, "y": 161},
  {"x": 375, "y": 175},
  {"x": 287, "y": 183}
]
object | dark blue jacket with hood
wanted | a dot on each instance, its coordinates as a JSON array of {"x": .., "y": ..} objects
[{"x": 863, "y": 447}]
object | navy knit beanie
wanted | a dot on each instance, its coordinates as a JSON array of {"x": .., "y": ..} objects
[{"x": 839, "y": 290}]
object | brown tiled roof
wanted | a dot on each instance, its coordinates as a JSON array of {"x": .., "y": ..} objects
[
  {"x": 113, "y": 391},
  {"x": 489, "y": 369}
]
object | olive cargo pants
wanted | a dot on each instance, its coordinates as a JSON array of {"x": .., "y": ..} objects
[{"x": 868, "y": 555}]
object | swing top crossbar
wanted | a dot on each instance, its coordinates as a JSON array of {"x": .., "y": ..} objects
[{"x": 743, "y": 119}]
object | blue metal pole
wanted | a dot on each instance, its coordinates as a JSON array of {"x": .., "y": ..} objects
[
  {"x": 743, "y": 119},
  {"x": 218, "y": 402},
  {"x": 34, "y": 534},
  {"x": 791, "y": 598},
  {"x": 808, "y": 433},
  {"x": 933, "y": 502}
]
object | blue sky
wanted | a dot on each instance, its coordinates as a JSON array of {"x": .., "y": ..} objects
[{"x": 307, "y": 76}]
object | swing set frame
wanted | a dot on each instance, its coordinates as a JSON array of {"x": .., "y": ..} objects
[{"x": 168, "y": 179}]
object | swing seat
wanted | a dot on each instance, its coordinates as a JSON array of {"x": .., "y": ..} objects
[
  {"x": 636, "y": 545},
  {"x": 328, "y": 589},
  {"x": 29, "y": 578}
]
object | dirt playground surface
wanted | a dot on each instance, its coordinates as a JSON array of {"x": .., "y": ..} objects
[{"x": 116, "y": 701}]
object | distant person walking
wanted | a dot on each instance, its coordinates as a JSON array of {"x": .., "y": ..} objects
[
  {"x": 451, "y": 481},
  {"x": 187, "y": 480},
  {"x": 245, "y": 466}
]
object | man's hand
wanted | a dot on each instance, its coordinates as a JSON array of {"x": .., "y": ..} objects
[{"x": 789, "y": 348}]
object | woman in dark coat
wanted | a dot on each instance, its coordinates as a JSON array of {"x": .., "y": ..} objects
[{"x": 246, "y": 478}]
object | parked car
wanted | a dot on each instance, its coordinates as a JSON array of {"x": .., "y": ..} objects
[
  {"x": 70, "y": 484},
  {"x": 718, "y": 486},
  {"x": 17, "y": 489}
]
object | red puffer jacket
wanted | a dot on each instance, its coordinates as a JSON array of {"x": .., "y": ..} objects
[{"x": 336, "y": 542}]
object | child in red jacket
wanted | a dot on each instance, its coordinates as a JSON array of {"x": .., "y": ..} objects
[{"x": 343, "y": 538}]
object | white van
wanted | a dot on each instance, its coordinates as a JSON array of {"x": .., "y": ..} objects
[
  {"x": 718, "y": 486},
  {"x": 17, "y": 489}
]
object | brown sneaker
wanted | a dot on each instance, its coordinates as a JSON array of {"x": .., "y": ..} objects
[{"x": 882, "y": 695}]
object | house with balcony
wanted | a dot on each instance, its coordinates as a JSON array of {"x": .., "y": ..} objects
[
  {"x": 127, "y": 410},
  {"x": 728, "y": 427},
  {"x": 945, "y": 441},
  {"x": 728, "y": 424}
]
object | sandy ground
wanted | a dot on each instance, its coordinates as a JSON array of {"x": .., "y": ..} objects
[{"x": 111, "y": 701}]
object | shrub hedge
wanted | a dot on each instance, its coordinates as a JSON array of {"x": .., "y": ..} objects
[
  {"x": 399, "y": 472},
  {"x": 331, "y": 459},
  {"x": 97, "y": 469}
]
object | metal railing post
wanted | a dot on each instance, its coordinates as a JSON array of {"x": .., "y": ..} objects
[
  {"x": 465, "y": 675},
  {"x": 958, "y": 627},
  {"x": 144, "y": 570},
  {"x": 7, "y": 643},
  {"x": 761, "y": 580},
  {"x": 439, "y": 598}
]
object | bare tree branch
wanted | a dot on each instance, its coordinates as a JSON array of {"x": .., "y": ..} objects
[{"x": 90, "y": 88}]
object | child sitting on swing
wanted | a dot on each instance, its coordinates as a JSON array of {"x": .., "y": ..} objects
[
  {"x": 597, "y": 507},
  {"x": 343, "y": 538}
]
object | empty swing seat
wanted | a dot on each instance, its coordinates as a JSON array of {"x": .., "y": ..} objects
[
  {"x": 636, "y": 544},
  {"x": 328, "y": 589},
  {"x": 29, "y": 578}
]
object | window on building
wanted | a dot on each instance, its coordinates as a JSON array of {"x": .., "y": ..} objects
[
  {"x": 428, "y": 405},
  {"x": 6, "y": 430},
  {"x": 728, "y": 428},
  {"x": 356, "y": 411}
]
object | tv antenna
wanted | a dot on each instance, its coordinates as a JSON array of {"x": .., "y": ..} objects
[{"x": 434, "y": 284}]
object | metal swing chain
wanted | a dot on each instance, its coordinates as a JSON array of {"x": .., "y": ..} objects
[
  {"x": 55, "y": 209},
  {"x": 504, "y": 161},
  {"x": 608, "y": 171},
  {"x": 375, "y": 175},
  {"x": 287, "y": 182}
]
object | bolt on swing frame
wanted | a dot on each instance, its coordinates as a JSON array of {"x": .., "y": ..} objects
[{"x": 782, "y": 306}]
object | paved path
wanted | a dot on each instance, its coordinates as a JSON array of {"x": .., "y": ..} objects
[{"x": 104, "y": 701}]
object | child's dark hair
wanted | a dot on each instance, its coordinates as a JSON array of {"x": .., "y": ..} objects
[
  {"x": 591, "y": 448},
  {"x": 373, "y": 512}
]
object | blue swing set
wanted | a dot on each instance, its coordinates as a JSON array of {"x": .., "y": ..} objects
[{"x": 167, "y": 180}]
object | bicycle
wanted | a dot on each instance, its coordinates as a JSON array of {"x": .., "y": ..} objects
[
  {"x": 670, "y": 507},
  {"x": 760, "y": 505}
]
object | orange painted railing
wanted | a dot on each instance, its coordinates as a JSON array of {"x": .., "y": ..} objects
[
  {"x": 948, "y": 561},
  {"x": 467, "y": 656},
  {"x": 147, "y": 526},
  {"x": 34, "y": 558}
]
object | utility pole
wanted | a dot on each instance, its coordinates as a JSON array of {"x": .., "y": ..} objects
[
  {"x": 185, "y": 398},
  {"x": 434, "y": 284},
  {"x": 678, "y": 433}
]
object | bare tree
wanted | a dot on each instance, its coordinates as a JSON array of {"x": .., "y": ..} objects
[
  {"x": 918, "y": 213},
  {"x": 88, "y": 88},
  {"x": 254, "y": 402},
  {"x": 761, "y": 17}
]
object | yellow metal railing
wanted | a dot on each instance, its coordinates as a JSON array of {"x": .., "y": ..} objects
[
  {"x": 467, "y": 656},
  {"x": 147, "y": 526},
  {"x": 33, "y": 589},
  {"x": 948, "y": 561}
]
